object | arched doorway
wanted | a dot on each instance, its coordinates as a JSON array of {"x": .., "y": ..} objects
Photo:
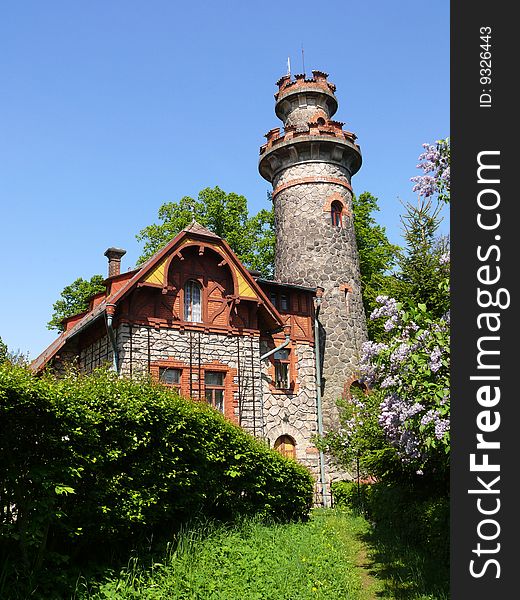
[{"x": 286, "y": 446}]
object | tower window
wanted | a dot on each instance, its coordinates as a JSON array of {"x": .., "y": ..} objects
[
  {"x": 281, "y": 369},
  {"x": 193, "y": 301},
  {"x": 214, "y": 389},
  {"x": 335, "y": 213}
]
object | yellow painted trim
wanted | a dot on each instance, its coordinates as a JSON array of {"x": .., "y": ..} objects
[
  {"x": 244, "y": 289},
  {"x": 156, "y": 276}
]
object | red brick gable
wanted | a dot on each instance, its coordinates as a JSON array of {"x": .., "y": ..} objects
[{"x": 228, "y": 289}]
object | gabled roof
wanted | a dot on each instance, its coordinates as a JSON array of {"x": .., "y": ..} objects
[{"x": 154, "y": 273}]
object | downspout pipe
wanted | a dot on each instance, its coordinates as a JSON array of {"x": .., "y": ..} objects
[
  {"x": 111, "y": 308},
  {"x": 324, "y": 495},
  {"x": 286, "y": 343}
]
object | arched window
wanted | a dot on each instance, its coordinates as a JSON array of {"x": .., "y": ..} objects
[
  {"x": 193, "y": 301},
  {"x": 335, "y": 213},
  {"x": 285, "y": 445}
]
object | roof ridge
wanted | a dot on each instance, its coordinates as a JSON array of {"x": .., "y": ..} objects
[{"x": 196, "y": 227}]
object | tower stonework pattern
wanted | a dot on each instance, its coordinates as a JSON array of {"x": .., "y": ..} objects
[{"x": 310, "y": 166}]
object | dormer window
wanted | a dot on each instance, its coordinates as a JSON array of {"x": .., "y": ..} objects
[
  {"x": 335, "y": 213},
  {"x": 193, "y": 301}
]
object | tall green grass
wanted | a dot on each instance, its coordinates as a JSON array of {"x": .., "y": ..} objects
[{"x": 317, "y": 560}]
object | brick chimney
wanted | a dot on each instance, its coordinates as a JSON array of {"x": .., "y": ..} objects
[{"x": 114, "y": 260}]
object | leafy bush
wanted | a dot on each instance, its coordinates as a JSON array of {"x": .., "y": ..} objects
[
  {"x": 350, "y": 494},
  {"x": 93, "y": 465}
]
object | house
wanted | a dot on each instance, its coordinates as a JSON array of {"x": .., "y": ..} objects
[{"x": 196, "y": 319}]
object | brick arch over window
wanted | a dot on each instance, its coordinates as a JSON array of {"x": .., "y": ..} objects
[
  {"x": 335, "y": 205},
  {"x": 354, "y": 382}
]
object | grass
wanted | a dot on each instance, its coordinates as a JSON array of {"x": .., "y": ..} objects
[
  {"x": 405, "y": 572},
  {"x": 335, "y": 555},
  {"x": 318, "y": 560}
]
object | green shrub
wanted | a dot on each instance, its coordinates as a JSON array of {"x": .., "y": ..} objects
[
  {"x": 93, "y": 465},
  {"x": 411, "y": 513},
  {"x": 350, "y": 494}
]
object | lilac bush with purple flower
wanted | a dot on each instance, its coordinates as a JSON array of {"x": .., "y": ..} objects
[
  {"x": 401, "y": 422},
  {"x": 435, "y": 164},
  {"x": 411, "y": 374}
]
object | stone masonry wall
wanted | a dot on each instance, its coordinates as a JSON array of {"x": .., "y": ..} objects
[
  {"x": 140, "y": 347},
  {"x": 294, "y": 414},
  {"x": 265, "y": 412},
  {"x": 95, "y": 355}
]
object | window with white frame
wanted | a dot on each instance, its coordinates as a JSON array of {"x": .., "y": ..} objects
[
  {"x": 193, "y": 301},
  {"x": 281, "y": 369}
]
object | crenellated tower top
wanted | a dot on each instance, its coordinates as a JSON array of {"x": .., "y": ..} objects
[
  {"x": 306, "y": 107},
  {"x": 301, "y": 99}
]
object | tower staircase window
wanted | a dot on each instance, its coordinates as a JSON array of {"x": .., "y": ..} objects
[
  {"x": 193, "y": 301},
  {"x": 335, "y": 213}
]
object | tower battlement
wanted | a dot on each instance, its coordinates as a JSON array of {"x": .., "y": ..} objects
[
  {"x": 309, "y": 134},
  {"x": 326, "y": 128},
  {"x": 318, "y": 80},
  {"x": 301, "y": 100}
]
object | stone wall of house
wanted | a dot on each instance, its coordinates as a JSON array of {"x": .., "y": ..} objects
[
  {"x": 294, "y": 414},
  {"x": 140, "y": 347},
  {"x": 262, "y": 410}
]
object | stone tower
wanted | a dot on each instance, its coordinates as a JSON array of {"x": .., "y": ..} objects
[{"x": 310, "y": 165}]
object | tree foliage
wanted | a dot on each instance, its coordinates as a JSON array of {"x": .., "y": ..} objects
[
  {"x": 3, "y": 351},
  {"x": 74, "y": 299},
  {"x": 377, "y": 256},
  {"x": 227, "y": 215},
  {"x": 421, "y": 272}
]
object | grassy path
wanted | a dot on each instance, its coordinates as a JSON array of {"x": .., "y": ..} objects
[{"x": 323, "y": 559}]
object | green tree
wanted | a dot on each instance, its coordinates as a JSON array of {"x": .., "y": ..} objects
[
  {"x": 423, "y": 265},
  {"x": 3, "y": 351},
  {"x": 227, "y": 215},
  {"x": 74, "y": 299},
  {"x": 377, "y": 256}
]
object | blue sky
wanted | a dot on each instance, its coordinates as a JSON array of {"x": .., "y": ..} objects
[{"x": 111, "y": 108}]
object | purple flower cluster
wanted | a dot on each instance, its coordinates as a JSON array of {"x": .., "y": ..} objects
[
  {"x": 388, "y": 308},
  {"x": 394, "y": 414},
  {"x": 441, "y": 426},
  {"x": 436, "y": 168},
  {"x": 444, "y": 258},
  {"x": 435, "y": 362}
]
